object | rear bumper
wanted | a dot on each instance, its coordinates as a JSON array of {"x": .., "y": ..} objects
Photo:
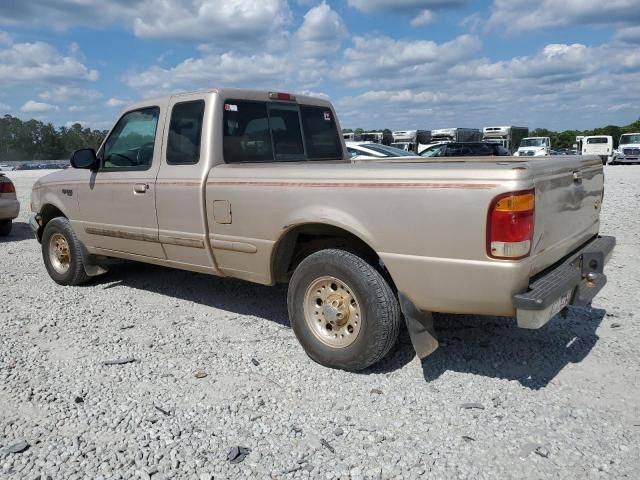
[
  {"x": 9, "y": 209},
  {"x": 575, "y": 281}
]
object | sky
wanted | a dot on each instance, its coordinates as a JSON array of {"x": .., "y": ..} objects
[{"x": 398, "y": 64}]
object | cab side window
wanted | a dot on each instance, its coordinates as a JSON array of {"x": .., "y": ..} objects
[
  {"x": 130, "y": 145},
  {"x": 185, "y": 133}
]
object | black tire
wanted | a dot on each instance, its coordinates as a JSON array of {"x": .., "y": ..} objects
[
  {"x": 5, "y": 228},
  {"x": 381, "y": 315},
  {"x": 75, "y": 274}
]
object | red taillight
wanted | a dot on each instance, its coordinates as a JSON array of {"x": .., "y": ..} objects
[
  {"x": 510, "y": 225},
  {"x": 287, "y": 97},
  {"x": 7, "y": 187}
]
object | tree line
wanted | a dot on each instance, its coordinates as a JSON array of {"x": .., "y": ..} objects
[{"x": 36, "y": 140}]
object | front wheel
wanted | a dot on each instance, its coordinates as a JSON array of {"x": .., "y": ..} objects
[
  {"x": 62, "y": 253},
  {"x": 342, "y": 310}
]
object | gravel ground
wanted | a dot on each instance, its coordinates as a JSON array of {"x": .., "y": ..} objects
[{"x": 217, "y": 367}]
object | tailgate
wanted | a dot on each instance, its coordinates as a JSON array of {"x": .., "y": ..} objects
[{"x": 568, "y": 200}]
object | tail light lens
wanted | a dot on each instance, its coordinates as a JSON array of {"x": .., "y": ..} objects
[
  {"x": 7, "y": 187},
  {"x": 510, "y": 225}
]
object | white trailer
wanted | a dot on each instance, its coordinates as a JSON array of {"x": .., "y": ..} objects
[
  {"x": 456, "y": 135},
  {"x": 411, "y": 140},
  {"x": 508, "y": 137},
  {"x": 601, "y": 145}
]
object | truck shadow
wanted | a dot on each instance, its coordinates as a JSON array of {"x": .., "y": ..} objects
[
  {"x": 228, "y": 294},
  {"x": 231, "y": 295},
  {"x": 487, "y": 346},
  {"x": 495, "y": 347},
  {"x": 19, "y": 231}
]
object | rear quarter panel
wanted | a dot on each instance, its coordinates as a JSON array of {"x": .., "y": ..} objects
[{"x": 426, "y": 221}]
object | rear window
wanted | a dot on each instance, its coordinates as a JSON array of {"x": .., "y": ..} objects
[
  {"x": 598, "y": 140},
  {"x": 268, "y": 132}
]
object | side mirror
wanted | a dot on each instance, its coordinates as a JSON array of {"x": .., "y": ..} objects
[{"x": 84, "y": 158}]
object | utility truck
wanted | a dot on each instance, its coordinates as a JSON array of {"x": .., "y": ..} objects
[
  {"x": 411, "y": 140},
  {"x": 508, "y": 137},
  {"x": 534, "y": 147},
  {"x": 628, "y": 149},
  {"x": 456, "y": 135}
]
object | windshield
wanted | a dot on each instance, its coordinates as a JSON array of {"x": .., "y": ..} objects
[
  {"x": 627, "y": 139},
  {"x": 533, "y": 142}
]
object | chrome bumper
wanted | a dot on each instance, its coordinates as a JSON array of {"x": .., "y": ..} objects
[{"x": 575, "y": 281}]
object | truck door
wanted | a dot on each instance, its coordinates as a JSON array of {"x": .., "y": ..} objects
[
  {"x": 181, "y": 180},
  {"x": 117, "y": 203}
]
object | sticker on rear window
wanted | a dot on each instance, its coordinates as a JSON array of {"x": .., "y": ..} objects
[
  {"x": 327, "y": 116},
  {"x": 230, "y": 107}
]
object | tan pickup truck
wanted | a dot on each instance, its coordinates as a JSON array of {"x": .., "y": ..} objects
[{"x": 258, "y": 186}]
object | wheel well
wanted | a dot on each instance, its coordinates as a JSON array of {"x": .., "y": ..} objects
[
  {"x": 47, "y": 213},
  {"x": 300, "y": 242}
]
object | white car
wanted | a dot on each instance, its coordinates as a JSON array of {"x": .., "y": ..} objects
[
  {"x": 6, "y": 168},
  {"x": 373, "y": 151}
]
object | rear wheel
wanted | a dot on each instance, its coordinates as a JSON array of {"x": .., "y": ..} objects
[
  {"x": 342, "y": 310},
  {"x": 62, "y": 253},
  {"x": 5, "y": 228}
]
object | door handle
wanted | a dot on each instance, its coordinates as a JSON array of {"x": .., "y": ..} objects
[{"x": 140, "y": 187}]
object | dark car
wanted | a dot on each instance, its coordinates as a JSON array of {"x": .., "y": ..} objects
[{"x": 465, "y": 149}]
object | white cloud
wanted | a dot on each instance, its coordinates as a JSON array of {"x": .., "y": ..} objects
[
  {"x": 227, "y": 69},
  {"x": 38, "y": 107},
  {"x": 40, "y": 62},
  {"x": 561, "y": 86},
  {"x": 629, "y": 35},
  {"x": 116, "y": 102},
  {"x": 61, "y": 93},
  {"x": 424, "y": 18},
  {"x": 403, "y": 6},
  {"x": 203, "y": 21},
  {"x": 524, "y": 15},
  {"x": 321, "y": 32},
  {"x": 385, "y": 61},
  {"x": 224, "y": 22},
  {"x": 62, "y": 14}
]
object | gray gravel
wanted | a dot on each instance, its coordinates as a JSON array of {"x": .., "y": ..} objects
[{"x": 219, "y": 374}]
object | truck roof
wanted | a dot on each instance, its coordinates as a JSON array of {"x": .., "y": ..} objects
[{"x": 239, "y": 93}]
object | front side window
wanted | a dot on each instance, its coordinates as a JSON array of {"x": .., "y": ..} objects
[
  {"x": 267, "y": 132},
  {"x": 185, "y": 132},
  {"x": 130, "y": 145}
]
